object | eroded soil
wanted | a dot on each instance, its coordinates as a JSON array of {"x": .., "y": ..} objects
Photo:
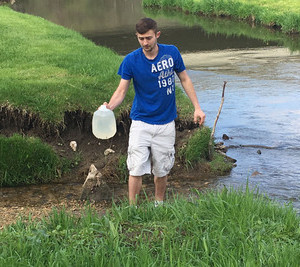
[{"x": 39, "y": 200}]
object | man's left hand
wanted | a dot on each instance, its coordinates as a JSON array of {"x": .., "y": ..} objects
[{"x": 199, "y": 116}]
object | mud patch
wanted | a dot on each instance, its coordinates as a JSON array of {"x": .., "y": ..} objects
[{"x": 38, "y": 200}]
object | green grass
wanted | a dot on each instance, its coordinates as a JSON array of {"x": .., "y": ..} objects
[
  {"x": 219, "y": 165},
  {"x": 227, "y": 228},
  {"x": 283, "y": 14},
  {"x": 47, "y": 69},
  {"x": 228, "y": 27},
  {"x": 196, "y": 153},
  {"x": 197, "y": 147},
  {"x": 26, "y": 160},
  {"x": 122, "y": 171}
]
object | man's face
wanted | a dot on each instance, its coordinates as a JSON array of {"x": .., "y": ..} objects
[{"x": 148, "y": 40}]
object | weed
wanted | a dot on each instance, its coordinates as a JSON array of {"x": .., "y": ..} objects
[{"x": 122, "y": 169}]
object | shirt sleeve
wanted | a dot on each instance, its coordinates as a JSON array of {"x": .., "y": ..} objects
[
  {"x": 125, "y": 69},
  {"x": 179, "y": 64}
]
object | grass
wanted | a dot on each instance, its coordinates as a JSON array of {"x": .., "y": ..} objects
[
  {"x": 219, "y": 165},
  {"x": 27, "y": 160},
  {"x": 228, "y": 27},
  {"x": 226, "y": 228},
  {"x": 197, "y": 147},
  {"x": 196, "y": 152},
  {"x": 47, "y": 69},
  {"x": 283, "y": 14},
  {"x": 122, "y": 171}
]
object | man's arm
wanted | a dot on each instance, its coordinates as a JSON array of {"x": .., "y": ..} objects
[
  {"x": 119, "y": 95},
  {"x": 199, "y": 115}
]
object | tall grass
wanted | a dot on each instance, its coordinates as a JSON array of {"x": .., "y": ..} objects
[
  {"x": 227, "y": 228},
  {"x": 283, "y": 14},
  {"x": 26, "y": 160},
  {"x": 196, "y": 151},
  {"x": 197, "y": 147}
]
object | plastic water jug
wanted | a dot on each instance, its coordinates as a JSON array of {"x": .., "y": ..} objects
[{"x": 104, "y": 123}]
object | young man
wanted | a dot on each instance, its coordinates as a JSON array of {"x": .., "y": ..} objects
[{"x": 152, "y": 68}]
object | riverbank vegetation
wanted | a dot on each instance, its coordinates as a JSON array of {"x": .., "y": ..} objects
[
  {"x": 229, "y": 27},
  {"x": 226, "y": 228},
  {"x": 277, "y": 14},
  {"x": 197, "y": 147},
  {"x": 27, "y": 160},
  {"x": 48, "y": 69},
  {"x": 195, "y": 153}
]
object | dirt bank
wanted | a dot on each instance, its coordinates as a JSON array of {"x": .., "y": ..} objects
[{"x": 38, "y": 200}]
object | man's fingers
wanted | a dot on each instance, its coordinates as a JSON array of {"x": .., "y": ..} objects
[
  {"x": 200, "y": 120},
  {"x": 105, "y": 104}
]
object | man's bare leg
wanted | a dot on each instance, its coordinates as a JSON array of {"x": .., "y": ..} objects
[
  {"x": 160, "y": 187},
  {"x": 134, "y": 188}
]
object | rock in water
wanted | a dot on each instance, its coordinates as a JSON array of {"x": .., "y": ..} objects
[
  {"x": 255, "y": 173},
  {"x": 95, "y": 188},
  {"x": 225, "y": 137}
]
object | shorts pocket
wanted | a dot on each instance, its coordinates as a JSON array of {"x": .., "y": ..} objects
[
  {"x": 169, "y": 160},
  {"x": 130, "y": 161}
]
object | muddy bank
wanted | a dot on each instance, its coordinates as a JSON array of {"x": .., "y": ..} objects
[
  {"x": 77, "y": 127},
  {"x": 38, "y": 200},
  {"x": 15, "y": 120}
]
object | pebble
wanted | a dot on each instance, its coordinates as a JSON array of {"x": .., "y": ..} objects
[{"x": 108, "y": 151}]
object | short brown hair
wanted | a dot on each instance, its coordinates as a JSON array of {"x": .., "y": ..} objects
[{"x": 145, "y": 25}]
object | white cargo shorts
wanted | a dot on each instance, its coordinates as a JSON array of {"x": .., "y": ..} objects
[{"x": 151, "y": 145}]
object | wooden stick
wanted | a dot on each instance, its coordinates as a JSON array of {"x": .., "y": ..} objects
[{"x": 216, "y": 120}]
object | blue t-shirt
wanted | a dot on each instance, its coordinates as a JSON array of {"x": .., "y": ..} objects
[{"x": 154, "y": 83}]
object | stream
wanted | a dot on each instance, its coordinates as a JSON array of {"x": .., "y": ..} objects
[
  {"x": 261, "y": 111},
  {"x": 260, "y": 114}
]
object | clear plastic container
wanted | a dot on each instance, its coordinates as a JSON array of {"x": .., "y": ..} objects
[{"x": 104, "y": 123}]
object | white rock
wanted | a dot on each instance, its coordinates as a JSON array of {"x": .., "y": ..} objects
[
  {"x": 93, "y": 178},
  {"x": 108, "y": 151},
  {"x": 73, "y": 145}
]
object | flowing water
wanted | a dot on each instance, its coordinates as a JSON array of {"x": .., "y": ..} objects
[
  {"x": 261, "y": 110},
  {"x": 261, "y": 115}
]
